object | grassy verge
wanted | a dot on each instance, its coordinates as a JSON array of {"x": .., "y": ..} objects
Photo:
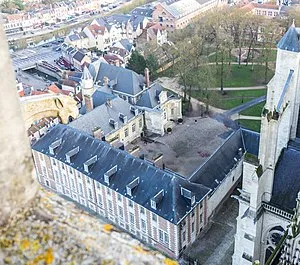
[
  {"x": 253, "y": 125},
  {"x": 231, "y": 99},
  {"x": 254, "y": 111}
]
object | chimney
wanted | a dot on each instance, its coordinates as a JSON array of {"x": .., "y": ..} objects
[
  {"x": 88, "y": 103},
  {"x": 147, "y": 77},
  {"x": 97, "y": 132}
]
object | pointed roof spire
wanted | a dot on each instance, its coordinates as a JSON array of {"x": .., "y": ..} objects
[
  {"x": 86, "y": 74},
  {"x": 290, "y": 40},
  {"x": 293, "y": 23}
]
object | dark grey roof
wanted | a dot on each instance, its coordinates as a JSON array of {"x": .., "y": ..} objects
[
  {"x": 251, "y": 141},
  {"x": 100, "y": 116},
  {"x": 125, "y": 80},
  {"x": 78, "y": 56},
  {"x": 290, "y": 40},
  {"x": 215, "y": 169},
  {"x": 126, "y": 44},
  {"x": 286, "y": 180},
  {"x": 74, "y": 37},
  {"x": 143, "y": 11},
  {"x": 150, "y": 97},
  {"x": 173, "y": 206},
  {"x": 137, "y": 21},
  {"x": 99, "y": 98}
]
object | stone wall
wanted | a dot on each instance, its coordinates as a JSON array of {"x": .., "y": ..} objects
[{"x": 16, "y": 182}]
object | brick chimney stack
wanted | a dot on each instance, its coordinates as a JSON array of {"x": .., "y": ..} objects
[{"x": 147, "y": 77}]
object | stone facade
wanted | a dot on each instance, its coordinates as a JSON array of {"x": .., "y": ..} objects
[{"x": 260, "y": 223}]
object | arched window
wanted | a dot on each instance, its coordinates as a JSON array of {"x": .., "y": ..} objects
[{"x": 272, "y": 239}]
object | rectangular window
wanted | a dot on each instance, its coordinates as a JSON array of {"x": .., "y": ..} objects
[
  {"x": 73, "y": 184},
  {"x": 172, "y": 111},
  {"x": 119, "y": 197},
  {"x": 133, "y": 127},
  {"x": 142, "y": 210},
  {"x": 130, "y": 203},
  {"x": 99, "y": 200},
  {"x": 161, "y": 236},
  {"x": 131, "y": 218},
  {"x": 71, "y": 171},
  {"x": 53, "y": 161},
  {"x": 140, "y": 123},
  {"x": 110, "y": 206},
  {"x": 88, "y": 180},
  {"x": 47, "y": 183},
  {"x": 90, "y": 194},
  {"x": 120, "y": 212},
  {"x": 201, "y": 218},
  {"x": 154, "y": 217},
  {"x": 143, "y": 225},
  {"x": 98, "y": 185},
  {"x": 183, "y": 236},
  {"x": 193, "y": 227},
  {"x": 126, "y": 132},
  {"x": 108, "y": 191},
  {"x": 166, "y": 239},
  {"x": 80, "y": 189},
  {"x": 62, "y": 166}
]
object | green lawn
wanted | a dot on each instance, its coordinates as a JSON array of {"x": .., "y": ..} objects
[
  {"x": 254, "y": 111},
  {"x": 242, "y": 76},
  {"x": 232, "y": 98},
  {"x": 272, "y": 57},
  {"x": 212, "y": 58},
  {"x": 250, "y": 124}
]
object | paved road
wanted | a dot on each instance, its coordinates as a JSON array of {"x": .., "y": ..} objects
[
  {"x": 31, "y": 56},
  {"x": 239, "y": 88},
  {"x": 215, "y": 247},
  {"x": 244, "y": 106}
]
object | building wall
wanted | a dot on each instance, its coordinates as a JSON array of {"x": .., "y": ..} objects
[
  {"x": 135, "y": 219},
  {"x": 129, "y": 131},
  {"x": 154, "y": 120},
  {"x": 225, "y": 187}
]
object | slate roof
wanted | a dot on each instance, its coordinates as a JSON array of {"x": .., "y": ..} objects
[
  {"x": 215, "y": 169},
  {"x": 173, "y": 206},
  {"x": 99, "y": 98},
  {"x": 286, "y": 180},
  {"x": 150, "y": 97},
  {"x": 143, "y": 11},
  {"x": 126, "y": 44},
  {"x": 251, "y": 141},
  {"x": 74, "y": 37},
  {"x": 125, "y": 81},
  {"x": 290, "y": 40},
  {"x": 78, "y": 56},
  {"x": 99, "y": 116}
]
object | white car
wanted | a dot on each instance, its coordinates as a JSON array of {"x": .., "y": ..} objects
[{"x": 23, "y": 57}]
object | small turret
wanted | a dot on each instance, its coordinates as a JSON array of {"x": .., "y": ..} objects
[{"x": 87, "y": 88}]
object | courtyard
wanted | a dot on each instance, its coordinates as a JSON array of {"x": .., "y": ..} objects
[{"x": 188, "y": 146}]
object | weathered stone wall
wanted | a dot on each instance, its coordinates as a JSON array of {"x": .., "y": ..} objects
[{"x": 17, "y": 185}]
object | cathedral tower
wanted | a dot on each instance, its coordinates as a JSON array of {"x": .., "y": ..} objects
[{"x": 280, "y": 124}]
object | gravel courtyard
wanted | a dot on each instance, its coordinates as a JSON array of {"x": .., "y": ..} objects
[{"x": 188, "y": 146}]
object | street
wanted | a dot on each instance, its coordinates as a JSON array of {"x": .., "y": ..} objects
[{"x": 28, "y": 57}]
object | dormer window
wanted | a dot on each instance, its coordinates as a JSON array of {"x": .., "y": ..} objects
[
  {"x": 113, "y": 123},
  {"x": 89, "y": 163},
  {"x": 188, "y": 195},
  {"x": 123, "y": 118},
  {"x": 54, "y": 145},
  {"x": 72, "y": 153},
  {"x": 133, "y": 184},
  {"x": 157, "y": 199},
  {"x": 110, "y": 173}
]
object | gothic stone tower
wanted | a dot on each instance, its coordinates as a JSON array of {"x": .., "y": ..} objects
[{"x": 263, "y": 213}]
